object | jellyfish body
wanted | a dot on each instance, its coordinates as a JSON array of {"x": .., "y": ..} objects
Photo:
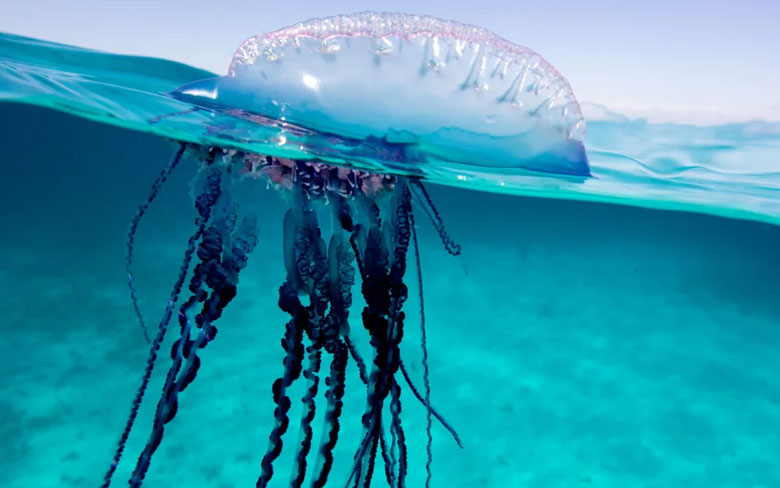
[
  {"x": 447, "y": 89},
  {"x": 454, "y": 91}
]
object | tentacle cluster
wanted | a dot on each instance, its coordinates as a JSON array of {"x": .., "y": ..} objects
[
  {"x": 222, "y": 252},
  {"x": 325, "y": 275},
  {"x": 378, "y": 241},
  {"x": 383, "y": 317},
  {"x": 317, "y": 179},
  {"x": 372, "y": 228}
]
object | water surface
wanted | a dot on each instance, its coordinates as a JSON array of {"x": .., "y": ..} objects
[{"x": 727, "y": 170}]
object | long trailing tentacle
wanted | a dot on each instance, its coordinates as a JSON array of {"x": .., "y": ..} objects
[
  {"x": 398, "y": 432},
  {"x": 444, "y": 423},
  {"x": 384, "y": 293},
  {"x": 204, "y": 211},
  {"x": 424, "y": 349},
  {"x": 333, "y": 395},
  {"x": 129, "y": 245},
  {"x": 342, "y": 277},
  {"x": 438, "y": 416},
  {"x": 393, "y": 452},
  {"x": 433, "y": 214},
  {"x": 321, "y": 329},
  {"x": 217, "y": 271},
  {"x": 293, "y": 346},
  {"x": 166, "y": 407},
  {"x": 376, "y": 293},
  {"x": 307, "y": 271},
  {"x": 152, "y": 358},
  {"x": 400, "y": 235},
  {"x": 389, "y": 463},
  {"x": 361, "y": 364},
  {"x": 314, "y": 360},
  {"x": 387, "y": 458}
]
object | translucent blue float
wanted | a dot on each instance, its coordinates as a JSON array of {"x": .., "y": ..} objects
[{"x": 438, "y": 88}]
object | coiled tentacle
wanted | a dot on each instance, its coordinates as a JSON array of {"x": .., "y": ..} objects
[
  {"x": 200, "y": 222},
  {"x": 388, "y": 457},
  {"x": 398, "y": 432},
  {"x": 433, "y": 214},
  {"x": 384, "y": 293},
  {"x": 213, "y": 286},
  {"x": 299, "y": 470},
  {"x": 424, "y": 348},
  {"x": 152, "y": 358},
  {"x": 334, "y": 395},
  {"x": 341, "y": 279},
  {"x": 319, "y": 331},
  {"x": 217, "y": 271},
  {"x": 377, "y": 238},
  {"x": 375, "y": 288},
  {"x": 298, "y": 249},
  {"x": 293, "y": 347},
  {"x": 361, "y": 364}
]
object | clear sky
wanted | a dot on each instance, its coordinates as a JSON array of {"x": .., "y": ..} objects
[{"x": 680, "y": 60}]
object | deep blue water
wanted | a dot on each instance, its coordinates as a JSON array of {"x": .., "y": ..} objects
[{"x": 575, "y": 344}]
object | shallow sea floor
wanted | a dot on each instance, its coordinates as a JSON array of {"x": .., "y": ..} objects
[{"x": 573, "y": 345}]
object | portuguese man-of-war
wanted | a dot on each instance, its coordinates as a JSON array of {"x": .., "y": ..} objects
[{"x": 438, "y": 89}]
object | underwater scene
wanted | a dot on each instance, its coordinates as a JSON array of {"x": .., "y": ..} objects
[{"x": 379, "y": 250}]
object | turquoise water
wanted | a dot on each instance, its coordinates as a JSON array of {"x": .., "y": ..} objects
[{"x": 576, "y": 344}]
